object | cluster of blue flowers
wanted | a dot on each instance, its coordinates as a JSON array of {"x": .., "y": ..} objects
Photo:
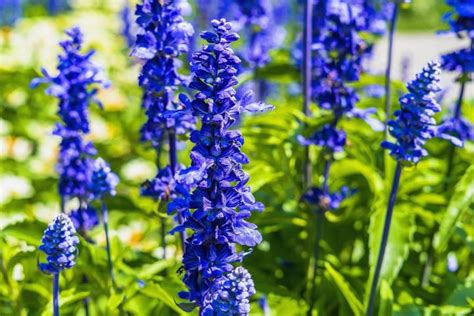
[
  {"x": 162, "y": 36},
  {"x": 76, "y": 86},
  {"x": 461, "y": 20},
  {"x": 59, "y": 243},
  {"x": 217, "y": 209},
  {"x": 230, "y": 294},
  {"x": 337, "y": 60},
  {"x": 414, "y": 123}
]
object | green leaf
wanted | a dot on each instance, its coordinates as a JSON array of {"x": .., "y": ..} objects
[
  {"x": 29, "y": 231},
  {"x": 115, "y": 300},
  {"x": 187, "y": 307},
  {"x": 461, "y": 199},
  {"x": 386, "y": 299},
  {"x": 156, "y": 291},
  {"x": 401, "y": 235},
  {"x": 345, "y": 289}
]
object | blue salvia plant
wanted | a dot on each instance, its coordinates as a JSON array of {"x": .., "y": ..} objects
[
  {"x": 162, "y": 37},
  {"x": 218, "y": 208},
  {"x": 103, "y": 183},
  {"x": 455, "y": 128},
  {"x": 413, "y": 126},
  {"x": 127, "y": 27},
  {"x": 76, "y": 86},
  {"x": 59, "y": 243},
  {"x": 337, "y": 61}
]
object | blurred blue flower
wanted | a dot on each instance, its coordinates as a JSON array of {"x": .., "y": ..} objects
[
  {"x": 76, "y": 86},
  {"x": 461, "y": 61},
  {"x": 162, "y": 187},
  {"x": 328, "y": 137},
  {"x": 414, "y": 123},
  {"x": 103, "y": 180},
  {"x": 217, "y": 209},
  {"x": 10, "y": 12},
  {"x": 326, "y": 201},
  {"x": 127, "y": 29},
  {"x": 162, "y": 36},
  {"x": 456, "y": 130},
  {"x": 84, "y": 218},
  {"x": 59, "y": 243},
  {"x": 461, "y": 18}
]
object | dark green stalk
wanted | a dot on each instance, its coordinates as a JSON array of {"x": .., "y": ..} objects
[
  {"x": 105, "y": 222},
  {"x": 56, "y": 294},
  {"x": 384, "y": 240}
]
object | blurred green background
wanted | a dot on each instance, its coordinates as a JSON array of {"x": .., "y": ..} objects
[{"x": 433, "y": 216}]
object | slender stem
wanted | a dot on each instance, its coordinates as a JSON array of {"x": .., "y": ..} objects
[
  {"x": 312, "y": 296},
  {"x": 388, "y": 70},
  {"x": 105, "y": 222},
  {"x": 163, "y": 236},
  {"x": 319, "y": 218},
  {"x": 307, "y": 40},
  {"x": 173, "y": 163},
  {"x": 85, "y": 301},
  {"x": 383, "y": 242},
  {"x": 56, "y": 294},
  {"x": 62, "y": 204}
]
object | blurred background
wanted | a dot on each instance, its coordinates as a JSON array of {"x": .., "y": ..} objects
[{"x": 29, "y": 37}]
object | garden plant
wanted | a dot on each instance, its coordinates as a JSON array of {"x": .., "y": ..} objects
[{"x": 237, "y": 157}]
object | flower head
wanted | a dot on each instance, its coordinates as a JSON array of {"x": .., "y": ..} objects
[
  {"x": 217, "y": 209},
  {"x": 326, "y": 201},
  {"x": 103, "y": 180},
  {"x": 414, "y": 123},
  {"x": 461, "y": 61},
  {"x": 328, "y": 137},
  {"x": 59, "y": 244},
  {"x": 456, "y": 130},
  {"x": 230, "y": 294},
  {"x": 162, "y": 187},
  {"x": 461, "y": 18},
  {"x": 162, "y": 36},
  {"x": 75, "y": 86},
  {"x": 84, "y": 218}
]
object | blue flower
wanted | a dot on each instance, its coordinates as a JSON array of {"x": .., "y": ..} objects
[
  {"x": 162, "y": 36},
  {"x": 456, "y": 130},
  {"x": 461, "y": 61},
  {"x": 127, "y": 29},
  {"x": 414, "y": 123},
  {"x": 328, "y": 137},
  {"x": 103, "y": 180},
  {"x": 461, "y": 18},
  {"x": 162, "y": 187},
  {"x": 10, "y": 12},
  {"x": 230, "y": 295},
  {"x": 217, "y": 209},
  {"x": 326, "y": 201},
  {"x": 76, "y": 86},
  {"x": 59, "y": 243},
  {"x": 84, "y": 218}
]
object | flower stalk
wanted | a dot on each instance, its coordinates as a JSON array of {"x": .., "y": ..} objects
[
  {"x": 388, "y": 70},
  {"x": 384, "y": 240}
]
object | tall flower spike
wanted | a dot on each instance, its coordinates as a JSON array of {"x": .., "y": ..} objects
[
  {"x": 461, "y": 18},
  {"x": 103, "y": 180},
  {"x": 218, "y": 208},
  {"x": 162, "y": 36},
  {"x": 59, "y": 243},
  {"x": 75, "y": 86},
  {"x": 414, "y": 123}
]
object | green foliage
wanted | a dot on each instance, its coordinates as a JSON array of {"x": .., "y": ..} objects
[{"x": 433, "y": 215}]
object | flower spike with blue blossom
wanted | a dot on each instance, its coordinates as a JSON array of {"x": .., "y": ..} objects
[
  {"x": 413, "y": 126},
  {"x": 75, "y": 86},
  {"x": 103, "y": 183},
  {"x": 59, "y": 243},
  {"x": 218, "y": 208},
  {"x": 163, "y": 36}
]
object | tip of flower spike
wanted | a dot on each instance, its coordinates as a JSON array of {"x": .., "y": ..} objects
[{"x": 59, "y": 244}]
